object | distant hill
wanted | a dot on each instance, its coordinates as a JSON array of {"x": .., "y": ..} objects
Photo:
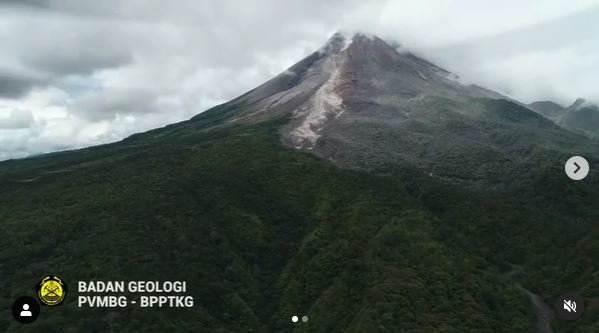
[
  {"x": 581, "y": 117},
  {"x": 548, "y": 109}
]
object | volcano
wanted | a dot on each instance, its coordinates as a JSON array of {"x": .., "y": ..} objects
[
  {"x": 362, "y": 104},
  {"x": 364, "y": 189}
]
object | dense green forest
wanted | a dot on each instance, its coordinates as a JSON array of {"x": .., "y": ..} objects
[{"x": 262, "y": 232}]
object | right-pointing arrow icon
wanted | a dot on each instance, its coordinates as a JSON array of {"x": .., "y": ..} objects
[{"x": 577, "y": 168}]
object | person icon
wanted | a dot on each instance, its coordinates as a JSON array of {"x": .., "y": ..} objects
[
  {"x": 25, "y": 309},
  {"x": 25, "y": 312}
]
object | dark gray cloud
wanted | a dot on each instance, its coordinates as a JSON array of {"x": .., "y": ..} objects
[
  {"x": 16, "y": 85},
  {"x": 107, "y": 104},
  {"x": 62, "y": 60},
  {"x": 26, "y": 3},
  {"x": 42, "y": 47}
]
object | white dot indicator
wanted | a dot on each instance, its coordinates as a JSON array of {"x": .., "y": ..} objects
[
  {"x": 294, "y": 319},
  {"x": 305, "y": 319}
]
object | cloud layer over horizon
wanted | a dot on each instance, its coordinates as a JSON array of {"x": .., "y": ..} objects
[{"x": 75, "y": 73}]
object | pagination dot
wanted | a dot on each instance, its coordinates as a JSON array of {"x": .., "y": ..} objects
[{"x": 294, "y": 319}]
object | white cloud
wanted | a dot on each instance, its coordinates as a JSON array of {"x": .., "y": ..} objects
[
  {"x": 17, "y": 119},
  {"x": 95, "y": 72}
]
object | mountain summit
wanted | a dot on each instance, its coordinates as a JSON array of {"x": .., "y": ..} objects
[
  {"x": 361, "y": 103},
  {"x": 347, "y": 72}
]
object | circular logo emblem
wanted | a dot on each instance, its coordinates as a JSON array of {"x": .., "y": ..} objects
[{"x": 51, "y": 291}]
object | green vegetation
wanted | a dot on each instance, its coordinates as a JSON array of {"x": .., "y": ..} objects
[{"x": 262, "y": 232}]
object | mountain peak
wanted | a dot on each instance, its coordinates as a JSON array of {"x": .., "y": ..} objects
[
  {"x": 582, "y": 103},
  {"x": 577, "y": 104},
  {"x": 334, "y": 44},
  {"x": 340, "y": 41},
  {"x": 349, "y": 72}
]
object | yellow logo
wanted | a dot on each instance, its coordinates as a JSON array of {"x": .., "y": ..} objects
[{"x": 51, "y": 290}]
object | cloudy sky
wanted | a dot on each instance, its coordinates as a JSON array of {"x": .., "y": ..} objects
[{"x": 76, "y": 73}]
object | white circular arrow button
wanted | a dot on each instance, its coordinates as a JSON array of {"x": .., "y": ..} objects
[{"x": 577, "y": 168}]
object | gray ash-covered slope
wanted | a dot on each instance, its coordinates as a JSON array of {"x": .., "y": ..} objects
[{"x": 362, "y": 104}]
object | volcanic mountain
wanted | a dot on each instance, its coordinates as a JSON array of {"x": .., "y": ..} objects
[
  {"x": 362, "y": 104},
  {"x": 364, "y": 188}
]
